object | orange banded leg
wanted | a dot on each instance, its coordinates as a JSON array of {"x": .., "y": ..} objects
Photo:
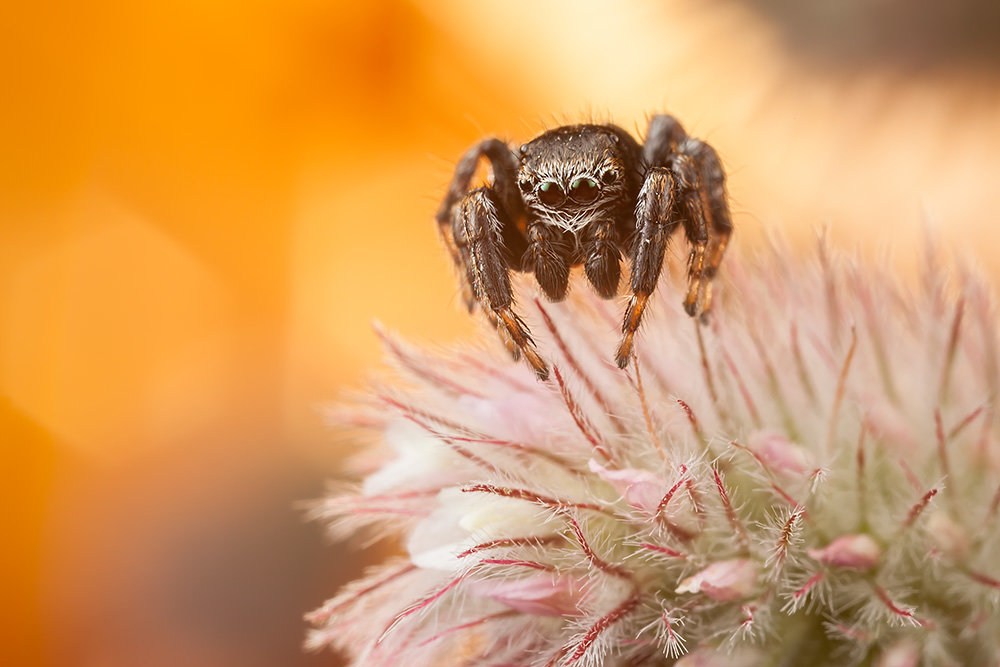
[
  {"x": 716, "y": 249},
  {"x": 692, "y": 207},
  {"x": 694, "y": 301},
  {"x": 633, "y": 316},
  {"x": 654, "y": 224},
  {"x": 519, "y": 337},
  {"x": 715, "y": 205},
  {"x": 481, "y": 220},
  {"x": 451, "y": 242}
]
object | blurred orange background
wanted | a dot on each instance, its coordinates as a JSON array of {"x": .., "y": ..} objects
[{"x": 205, "y": 204}]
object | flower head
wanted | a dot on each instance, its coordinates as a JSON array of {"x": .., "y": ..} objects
[{"x": 810, "y": 478}]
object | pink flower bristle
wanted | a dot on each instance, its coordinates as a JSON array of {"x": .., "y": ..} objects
[
  {"x": 788, "y": 536},
  {"x": 824, "y": 409},
  {"x": 734, "y": 520},
  {"x": 644, "y": 404},
  {"x": 672, "y": 553},
  {"x": 595, "y": 560},
  {"x": 984, "y": 579},
  {"x": 670, "y": 494},
  {"x": 808, "y": 586},
  {"x": 467, "y": 625},
  {"x": 905, "y": 614},
  {"x": 918, "y": 508},
  {"x": 453, "y": 443},
  {"x": 601, "y": 625},
  {"x": 532, "y": 564},
  {"x": 410, "y": 410},
  {"x": 531, "y": 496},
  {"x": 673, "y": 643},
  {"x": 571, "y": 359},
  {"x": 422, "y": 370},
  {"x": 419, "y": 605},
  {"x": 350, "y": 597},
  {"x": 580, "y": 419},
  {"x": 539, "y": 541}
]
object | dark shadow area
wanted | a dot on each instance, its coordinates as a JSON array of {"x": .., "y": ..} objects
[{"x": 907, "y": 34}]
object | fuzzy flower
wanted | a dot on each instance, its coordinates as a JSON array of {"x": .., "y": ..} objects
[{"x": 809, "y": 478}]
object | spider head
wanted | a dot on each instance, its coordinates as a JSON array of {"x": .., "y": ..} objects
[{"x": 572, "y": 174}]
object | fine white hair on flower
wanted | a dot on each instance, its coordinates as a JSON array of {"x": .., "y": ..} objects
[{"x": 812, "y": 477}]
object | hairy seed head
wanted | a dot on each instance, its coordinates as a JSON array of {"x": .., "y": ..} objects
[{"x": 810, "y": 478}]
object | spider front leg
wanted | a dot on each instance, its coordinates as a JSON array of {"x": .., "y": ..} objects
[
  {"x": 459, "y": 252},
  {"x": 503, "y": 164},
  {"x": 480, "y": 223},
  {"x": 654, "y": 224},
  {"x": 463, "y": 259}
]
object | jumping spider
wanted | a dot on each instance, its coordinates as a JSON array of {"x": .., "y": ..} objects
[{"x": 585, "y": 194}]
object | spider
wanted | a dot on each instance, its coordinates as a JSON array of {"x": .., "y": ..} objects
[{"x": 585, "y": 194}]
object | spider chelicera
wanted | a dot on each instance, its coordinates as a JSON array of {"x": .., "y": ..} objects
[{"x": 585, "y": 194}]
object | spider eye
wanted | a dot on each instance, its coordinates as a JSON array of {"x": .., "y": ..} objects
[
  {"x": 525, "y": 185},
  {"x": 551, "y": 194},
  {"x": 609, "y": 177},
  {"x": 583, "y": 190}
]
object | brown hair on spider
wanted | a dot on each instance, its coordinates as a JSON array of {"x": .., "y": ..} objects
[{"x": 585, "y": 195}]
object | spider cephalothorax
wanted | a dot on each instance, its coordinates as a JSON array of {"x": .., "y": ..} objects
[{"x": 585, "y": 194}]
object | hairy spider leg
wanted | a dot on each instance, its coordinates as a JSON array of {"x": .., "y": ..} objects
[
  {"x": 715, "y": 204},
  {"x": 664, "y": 135},
  {"x": 655, "y": 223},
  {"x": 603, "y": 259},
  {"x": 689, "y": 198},
  {"x": 667, "y": 144},
  {"x": 503, "y": 165},
  {"x": 482, "y": 223},
  {"x": 546, "y": 258},
  {"x": 468, "y": 282}
]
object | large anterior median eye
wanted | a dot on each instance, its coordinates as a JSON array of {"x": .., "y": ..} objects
[
  {"x": 551, "y": 194},
  {"x": 583, "y": 190}
]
